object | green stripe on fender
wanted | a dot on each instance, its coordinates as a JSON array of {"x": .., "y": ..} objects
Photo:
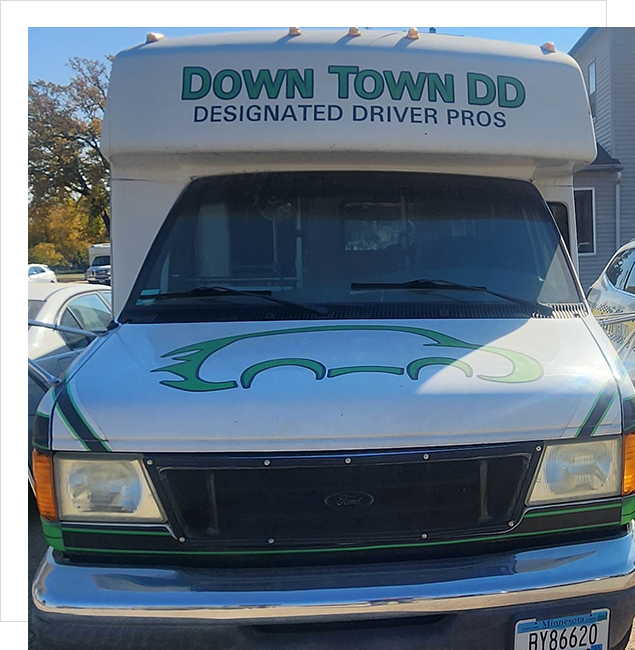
[
  {"x": 83, "y": 419},
  {"x": 52, "y": 534},
  {"x": 628, "y": 509},
  {"x": 600, "y": 407},
  {"x": 70, "y": 428},
  {"x": 75, "y": 421}
]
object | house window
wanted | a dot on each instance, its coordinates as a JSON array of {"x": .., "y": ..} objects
[
  {"x": 585, "y": 220},
  {"x": 591, "y": 87}
]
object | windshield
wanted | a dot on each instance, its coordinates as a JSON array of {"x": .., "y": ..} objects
[
  {"x": 101, "y": 260},
  {"x": 308, "y": 237}
]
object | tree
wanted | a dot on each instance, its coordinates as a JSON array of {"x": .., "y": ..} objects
[
  {"x": 60, "y": 233},
  {"x": 65, "y": 160},
  {"x": 46, "y": 253}
]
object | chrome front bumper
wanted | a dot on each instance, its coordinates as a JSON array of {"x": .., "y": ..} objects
[{"x": 338, "y": 592}]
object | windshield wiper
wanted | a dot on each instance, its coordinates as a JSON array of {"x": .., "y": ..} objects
[
  {"x": 203, "y": 292},
  {"x": 424, "y": 284}
]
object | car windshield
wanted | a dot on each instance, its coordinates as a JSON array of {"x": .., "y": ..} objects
[
  {"x": 318, "y": 238},
  {"x": 101, "y": 260}
]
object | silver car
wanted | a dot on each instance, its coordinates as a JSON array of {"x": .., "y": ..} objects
[
  {"x": 75, "y": 305},
  {"x": 612, "y": 298}
]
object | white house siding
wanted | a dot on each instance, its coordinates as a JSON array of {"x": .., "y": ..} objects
[
  {"x": 613, "y": 50},
  {"x": 598, "y": 48},
  {"x": 623, "y": 63}
]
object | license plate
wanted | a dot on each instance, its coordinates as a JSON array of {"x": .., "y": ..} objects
[{"x": 578, "y": 632}]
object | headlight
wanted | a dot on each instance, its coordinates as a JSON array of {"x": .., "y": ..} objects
[
  {"x": 576, "y": 471},
  {"x": 104, "y": 489}
]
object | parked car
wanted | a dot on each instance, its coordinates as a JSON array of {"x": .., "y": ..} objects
[
  {"x": 41, "y": 273},
  {"x": 614, "y": 293},
  {"x": 73, "y": 304}
]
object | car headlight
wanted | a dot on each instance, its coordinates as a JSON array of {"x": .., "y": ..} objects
[
  {"x": 575, "y": 471},
  {"x": 104, "y": 489}
]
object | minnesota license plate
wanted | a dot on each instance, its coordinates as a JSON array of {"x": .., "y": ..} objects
[{"x": 578, "y": 632}]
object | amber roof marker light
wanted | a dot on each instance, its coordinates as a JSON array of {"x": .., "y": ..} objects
[
  {"x": 548, "y": 47},
  {"x": 413, "y": 33},
  {"x": 295, "y": 31},
  {"x": 354, "y": 31},
  {"x": 153, "y": 37}
]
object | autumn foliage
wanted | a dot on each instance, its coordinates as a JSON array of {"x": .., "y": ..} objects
[{"x": 68, "y": 175}]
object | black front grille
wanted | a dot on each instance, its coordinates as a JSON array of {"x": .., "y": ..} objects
[{"x": 317, "y": 501}]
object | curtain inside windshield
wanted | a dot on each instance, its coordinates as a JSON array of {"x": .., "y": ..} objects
[{"x": 309, "y": 236}]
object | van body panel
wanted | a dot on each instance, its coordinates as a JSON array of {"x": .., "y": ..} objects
[
  {"x": 183, "y": 108},
  {"x": 365, "y": 398}
]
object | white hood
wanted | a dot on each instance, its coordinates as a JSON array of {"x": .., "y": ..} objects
[{"x": 339, "y": 385}]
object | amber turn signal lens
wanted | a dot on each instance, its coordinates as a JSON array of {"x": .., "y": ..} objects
[
  {"x": 44, "y": 490},
  {"x": 628, "y": 484}
]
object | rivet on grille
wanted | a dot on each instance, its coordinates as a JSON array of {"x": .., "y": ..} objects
[
  {"x": 149, "y": 461},
  {"x": 348, "y": 461},
  {"x": 426, "y": 456},
  {"x": 424, "y": 536},
  {"x": 511, "y": 524},
  {"x": 266, "y": 463},
  {"x": 538, "y": 448},
  {"x": 271, "y": 540},
  {"x": 181, "y": 539}
]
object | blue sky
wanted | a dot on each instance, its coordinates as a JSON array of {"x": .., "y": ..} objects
[{"x": 51, "y": 47}]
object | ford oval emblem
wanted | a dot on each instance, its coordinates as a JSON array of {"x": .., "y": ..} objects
[{"x": 349, "y": 500}]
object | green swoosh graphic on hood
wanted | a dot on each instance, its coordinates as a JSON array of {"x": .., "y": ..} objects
[{"x": 190, "y": 359}]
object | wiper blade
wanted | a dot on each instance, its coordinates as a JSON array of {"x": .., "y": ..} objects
[
  {"x": 424, "y": 284},
  {"x": 202, "y": 292}
]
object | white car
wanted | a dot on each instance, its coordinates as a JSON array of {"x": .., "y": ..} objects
[
  {"x": 612, "y": 299},
  {"x": 71, "y": 304},
  {"x": 41, "y": 273}
]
